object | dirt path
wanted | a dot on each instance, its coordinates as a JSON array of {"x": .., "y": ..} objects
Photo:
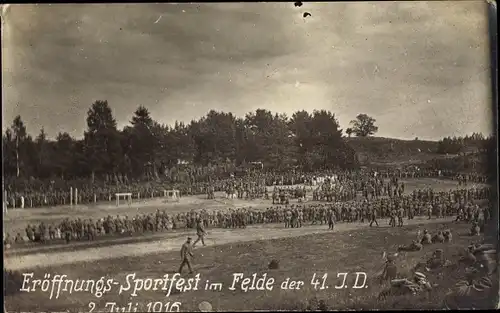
[{"x": 215, "y": 237}]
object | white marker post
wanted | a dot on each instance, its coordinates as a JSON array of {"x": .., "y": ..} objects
[
  {"x": 71, "y": 196},
  {"x": 76, "y": 196}
]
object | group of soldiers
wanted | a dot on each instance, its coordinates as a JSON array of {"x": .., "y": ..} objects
[
  {"x": 426, "y": 202},
  {"x": 463, "y": 180},
  {"x": 282, "y": 195},
  {"x": 347, "y": 190},
  {"x": 50, "y": 193}
]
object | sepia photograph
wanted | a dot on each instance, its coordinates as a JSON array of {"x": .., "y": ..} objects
[{"x": 272, "y": 156}]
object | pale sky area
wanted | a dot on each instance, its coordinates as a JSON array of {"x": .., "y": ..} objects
[{"x": 421, "y": 69}]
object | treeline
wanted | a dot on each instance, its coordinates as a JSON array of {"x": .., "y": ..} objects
[
  {"x": 147, "y": 148},
  {"x": 474, "y": 153},
  {"x": 476, "y": 142}
]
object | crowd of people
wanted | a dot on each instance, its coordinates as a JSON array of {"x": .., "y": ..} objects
[
  {"x": 426, "y": 202},
  {"x": 382, "y": 193},
  {"x": 45, "y": 194}
]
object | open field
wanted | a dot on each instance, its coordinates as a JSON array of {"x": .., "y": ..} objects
[
  {"x": 16, "y": 220},
  {"x": 358, "y": 249},
  {"x": 118, "y": 117},
  {"x": 40, "y": 256},
  {"x": 301, "y": 252},
  {"x": 50, "y": 251}
]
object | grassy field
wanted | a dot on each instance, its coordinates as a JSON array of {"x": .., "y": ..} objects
[
  {"x": 301, "y": 253},
  {"x": 16, "y": 220},
  {"x": 299, "y": 258},
  {"x": 60, "y": 254}
]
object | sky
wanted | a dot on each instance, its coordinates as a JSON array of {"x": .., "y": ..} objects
[{"x": 421, "y": 69}]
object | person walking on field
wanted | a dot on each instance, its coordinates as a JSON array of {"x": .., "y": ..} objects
[
  {"x": 373, "y": 218},
  {"x": 200, "y": 232},
  {"x": 186, "y": 256}
]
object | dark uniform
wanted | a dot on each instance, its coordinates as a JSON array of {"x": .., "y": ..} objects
[
  {"x": 486, "y": 214},
  {"x": 200, "y": 232},
  {"x": 331, "y": 220},
  {"x": 392, "y": 221},
  {"x": 373, "y": 218},
  {"x": 186, "y": 256},
  {"x": 68, "y": 231},
  {"x": 29, "y": 233},
  {"x": 52, "y": 233},
  {"x": 400, "y": 217}
]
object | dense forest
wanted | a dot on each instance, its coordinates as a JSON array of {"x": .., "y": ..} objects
[{"x": 146, "y": 147}]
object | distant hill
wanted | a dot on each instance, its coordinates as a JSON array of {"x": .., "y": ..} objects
[{"x": 389, "y": 151}]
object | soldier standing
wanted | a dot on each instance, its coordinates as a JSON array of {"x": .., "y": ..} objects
[
  {"x": 52, "y": 233},
  {"x": 186, "y": 256},
  {"x": 392, "y": 221},
  {"x": 331, "y": 220},
  {"x": 322, "y": 215},
  {"x": 29, "y": 233},
  {"x": 400, "y": 217},
  {"x": 174, "y": 223},
  {"x": 373, "y": 218},
  {"x": 200, "y": 232},
  {"x": 68, "y": 230},
  {"x": 486, "y": 214},
  {"x": 300, "y": 218},
  {"x": 91, "y": 230},
  {"x": 476, "y": 214},
  {"x": 411, "y": 211},
  {"x": 288, "y": 218},
  {"x": 440, "y": 210},
  {"x": 362, "y": 213},
  {"x": 295, "y": 216}
]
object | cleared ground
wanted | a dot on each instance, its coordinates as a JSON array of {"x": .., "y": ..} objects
[
  {"x": 29, "y": 255},
  {"x": 358, "y": 249},
  {"x": 301, "y": 252},
  {"x": 37, "y": 257},
  {"x": 16, "y": 220}
]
